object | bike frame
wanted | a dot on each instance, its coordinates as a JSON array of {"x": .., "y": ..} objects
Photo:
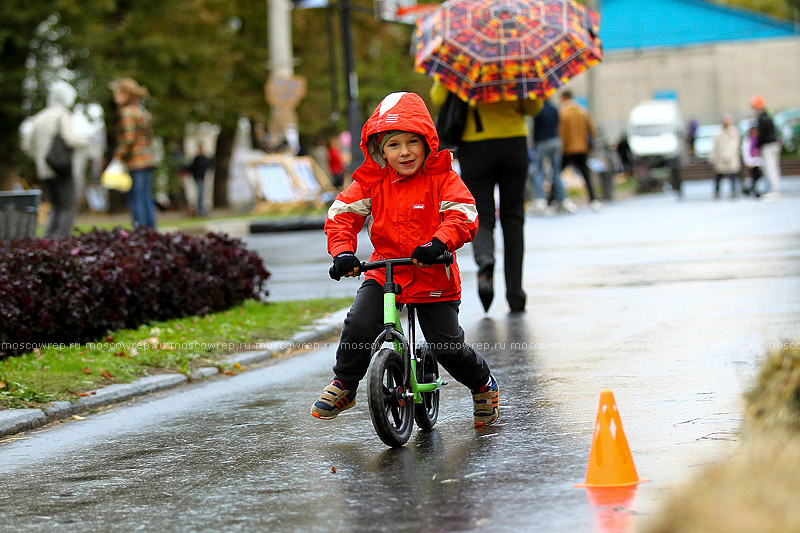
[{"x": 393, "y": 329}]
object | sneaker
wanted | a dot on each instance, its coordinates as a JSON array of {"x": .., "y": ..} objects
[
  {"x": 596, "y": 205},
  {"x": 333, "y": 400},
  {"x": 567, "y": 206},
  {"x": 539, "y": 207},
  {"x": 486, "y": 404}
]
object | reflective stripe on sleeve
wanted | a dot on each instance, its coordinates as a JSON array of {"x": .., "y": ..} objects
[
  {"x": 468, "y": 209},
  {"x": 361, "y": 207}
]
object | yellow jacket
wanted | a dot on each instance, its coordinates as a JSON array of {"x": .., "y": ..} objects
[
  {"x": 575, "y": 127},
  {"x": 500, "y": 120}
]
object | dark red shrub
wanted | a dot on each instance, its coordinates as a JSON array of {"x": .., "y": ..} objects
[{"x": 79, "y": 288}]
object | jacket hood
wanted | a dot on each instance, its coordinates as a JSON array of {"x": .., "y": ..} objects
[
  {"x": 399, "y": 111},
  {"x": 61, "y": 93}
]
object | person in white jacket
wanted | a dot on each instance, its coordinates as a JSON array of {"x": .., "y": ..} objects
[
  {"x": 725, "y": 155},
  {"x": 56, "y": 118}
]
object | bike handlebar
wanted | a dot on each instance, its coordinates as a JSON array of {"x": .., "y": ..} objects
[{"x": 445, "y": 259}]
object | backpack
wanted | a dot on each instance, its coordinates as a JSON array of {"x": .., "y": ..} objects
[
  {"x": 59, "y": 157},
  {"x": 451, "y": 120}
]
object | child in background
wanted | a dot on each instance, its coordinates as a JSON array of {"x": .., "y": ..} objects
[{"x": 419, "y": 208}]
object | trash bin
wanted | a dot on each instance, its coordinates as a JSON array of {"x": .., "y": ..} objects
[
  {"x": 19, "y": 213},
  {"x": 603, "y": 169},
  {"x": 607, "y": 179}
]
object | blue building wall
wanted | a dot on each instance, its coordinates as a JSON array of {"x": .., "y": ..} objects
[{"x": 639, "y": 24}]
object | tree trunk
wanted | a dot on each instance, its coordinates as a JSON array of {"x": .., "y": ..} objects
[{"x": 222, "y": 159}]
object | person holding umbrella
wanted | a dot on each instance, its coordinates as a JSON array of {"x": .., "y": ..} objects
[
  {"x": 503, "y": 59},
  {"x": 494, "y": 153}
]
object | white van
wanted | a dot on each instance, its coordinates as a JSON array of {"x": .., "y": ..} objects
[{"x": 656, "y": 138}]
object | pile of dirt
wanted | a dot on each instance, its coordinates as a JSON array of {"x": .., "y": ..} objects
[
  {"x": 756, "y": 489},
  {"x": 774, "y": 403}
]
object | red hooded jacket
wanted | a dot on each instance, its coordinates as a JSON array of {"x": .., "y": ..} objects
[{"x": 406, "y": 211}]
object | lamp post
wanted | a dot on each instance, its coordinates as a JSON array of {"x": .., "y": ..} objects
[{"x": 354, "y": 121}]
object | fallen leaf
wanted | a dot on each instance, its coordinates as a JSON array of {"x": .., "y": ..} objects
[
  {"x": 227, "y": 372},
  {"x": 2, "y": 384},
  {"x": 120, "y": 353},
  {"x": 237, "y": 365},
  {"x": 333, "y": 469},
  {"x": 86, "y": 370},
  {"x": 84, "y": 394},
  {"x": 107, "y": 375},
  {"x": 109, "y": 338},
  {"x": 76, "y": 417}
]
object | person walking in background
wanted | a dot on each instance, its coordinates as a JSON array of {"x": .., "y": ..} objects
[
  {"x": 547, "y": 146},
  {"x": 769, "y": 147},
  {"x": 200, "y": 165},
  {"x": 577, "y": 132},
  {"x": 625, "y": 155},
  {"x": 55, "y": 119},
  {"x": 691, "y": 135},
  {"x": 752, "y": 160},
  {"x": 493, "y": 152},
  {"x": 335, "y": 162},
  {"x": 725, "y": 155},
  {"x": 135, "y": 148}
]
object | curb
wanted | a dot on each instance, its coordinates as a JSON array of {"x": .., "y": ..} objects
[
  {"x": 17, "y": 420},
  {"x": 288, "y": 224}
]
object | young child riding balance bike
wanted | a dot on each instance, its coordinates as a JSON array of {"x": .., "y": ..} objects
[{"x": 420, "y": 208}]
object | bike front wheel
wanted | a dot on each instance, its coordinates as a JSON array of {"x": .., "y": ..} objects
[
  {"x": 390, "y": 408},
  {"x": 427, "y": 412}
]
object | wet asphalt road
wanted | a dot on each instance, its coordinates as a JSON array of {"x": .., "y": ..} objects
[{"x": 669, "y": 304}]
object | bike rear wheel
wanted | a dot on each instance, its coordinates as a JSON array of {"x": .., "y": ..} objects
[
  {"x": 427, "y": 412},
  {"x": 390, "y": 409}
]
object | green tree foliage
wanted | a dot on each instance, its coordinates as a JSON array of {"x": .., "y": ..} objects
[
  {"x": 18, "y": 22},
  {"x": 777, "y": 8},
  {"x": 383, "y": 62}
]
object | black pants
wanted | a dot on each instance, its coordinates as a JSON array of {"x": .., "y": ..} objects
[
  {"x": 755, "y": 175},
  {"x": 502, "y": 163},
  {"x": 579, "y": 161},
  {"x": 718, "y": 178},
  {"x": 61, "y": 190},
  {"x": 439, "y": 324}
]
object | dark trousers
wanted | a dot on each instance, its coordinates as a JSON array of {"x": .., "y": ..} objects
[
  {"x": 502, "y": 163},
  {"x": 579, "y": 161},
  {"x": 61, "y": 190},
  {"x": 718, "y": 178},
  {"x": 755, "y": 175},
  {"x": 439, "y": 324}
]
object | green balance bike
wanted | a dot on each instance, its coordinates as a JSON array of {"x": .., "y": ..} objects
[{"x": 402, "y": 386}]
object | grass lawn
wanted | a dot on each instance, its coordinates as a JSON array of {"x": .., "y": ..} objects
[{"x": 66, "y": 372}]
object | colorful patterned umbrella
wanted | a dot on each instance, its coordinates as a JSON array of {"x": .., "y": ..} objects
[{"x": 495, "y": 50}]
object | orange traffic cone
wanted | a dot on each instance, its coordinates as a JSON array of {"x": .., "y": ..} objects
[{"x": 610, "y": 460}]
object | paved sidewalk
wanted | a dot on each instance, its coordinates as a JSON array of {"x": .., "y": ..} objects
[{"x": 16, "y": 420}]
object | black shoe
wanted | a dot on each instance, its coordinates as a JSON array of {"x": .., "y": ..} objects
[
  {"x": 518, "y": 306},
  {"x": 486, "y": 290}
]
